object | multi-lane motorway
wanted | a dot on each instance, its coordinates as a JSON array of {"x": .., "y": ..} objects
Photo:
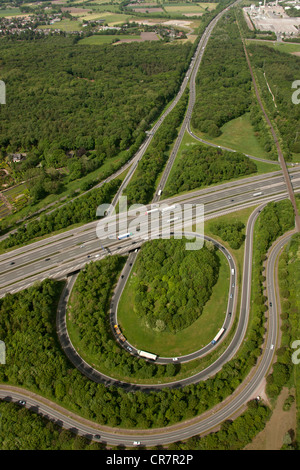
[
  {"x": 64, "y": 253},
  {"x": 58, "y": 255}
]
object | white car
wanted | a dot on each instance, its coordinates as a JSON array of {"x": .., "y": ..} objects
[{"x": 136, "y": 443}]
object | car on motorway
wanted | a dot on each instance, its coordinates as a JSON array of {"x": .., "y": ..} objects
[
  {"x": 231, "y": 296},
  {"x": 97, "y": 436},
  {"x": 12, "y": 262},
  {"x": 136, "y": 443},
  {"x": 272, "y": 346},
  {"x": 129, "y": 348},
  {"x": 47, "y": 259},
  {"x": 175, "y": 359},
  {"x": 270, "y": 304},
  {"x": 22, "y": 402}
]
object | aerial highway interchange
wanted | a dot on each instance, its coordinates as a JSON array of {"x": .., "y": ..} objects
[{"x": 63, "y": 255}]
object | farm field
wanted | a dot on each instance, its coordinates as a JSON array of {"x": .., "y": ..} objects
[
  {"x": 107, "y": 39},
  {"x": 184, "y": 9},
  {"x": 110, "y": 18},
  {"x": 11, "y": 12}
]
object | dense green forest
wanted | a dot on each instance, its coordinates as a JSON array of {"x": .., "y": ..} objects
[
  {"x": 80, "y": 211},
  {"x": 231, "y": 232},
  {"x": 23, "y": 429},
  {"x": 201, "y": 165},
  {"x": 224, "y": 85},
  {"x": 71, "y": 107},
  {"x": 63, "y": 97},
  {"x": 173, "y": 284}
]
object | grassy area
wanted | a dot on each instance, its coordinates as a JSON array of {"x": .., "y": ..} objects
[
  {"x": 110, "y": 18},
  {"x": 167, "y": 344},
  {"x": 11, "y": 12},
  {"x": 278, "y": 46},
  {"x": 239, "y": 135}
]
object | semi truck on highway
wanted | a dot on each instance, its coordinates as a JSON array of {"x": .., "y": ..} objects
[
  {"x": 232, "y": 271},
  {"x": 218, "y": 336},
  {"x": 118, "y": 331},
  {"x": 258, "y": 194},
  {"x": 165, "y": 209},
  {"x": 120, "y": 336},
  {"x": 125, "y": 235},
  {"x": 147, "y": 355},
  {"x": 152, "y": 210}
]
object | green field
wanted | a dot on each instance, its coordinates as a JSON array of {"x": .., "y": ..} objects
[
  {"x": 239, "y": 135},
  {"x": 11, "y": 12},
  {"x": 278, "y": 46},
  {"x": 110, "y": 18},
  {"x": 200, "y": 333}
]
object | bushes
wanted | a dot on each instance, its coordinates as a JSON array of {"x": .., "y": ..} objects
[
  {"x": 203, "y": 166},
  {"x": 233, "y": 233},
  {"x": 172, "y": 284}
]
